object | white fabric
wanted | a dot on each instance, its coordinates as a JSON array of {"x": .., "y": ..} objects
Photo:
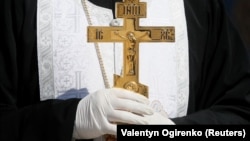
[
  {"x": 158, "y": 119},
  {"x": 114, "y": 106},
  {"x": 68, "y": 66}
]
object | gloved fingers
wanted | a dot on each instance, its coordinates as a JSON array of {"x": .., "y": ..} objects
[
  {"x": 132, "y": 106},
  {"x": 126, "y": 94},
  {"x": 110, "y": 128},
  {"x": 126, "y": 118}
]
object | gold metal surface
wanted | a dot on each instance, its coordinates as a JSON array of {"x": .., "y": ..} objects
[{"x": 131, "y": 34}]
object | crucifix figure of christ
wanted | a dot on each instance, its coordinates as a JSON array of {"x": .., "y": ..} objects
[{"x": 131, "y": 34}]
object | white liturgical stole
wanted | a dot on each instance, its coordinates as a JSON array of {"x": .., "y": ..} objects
[{"x": 69, "y": 66}]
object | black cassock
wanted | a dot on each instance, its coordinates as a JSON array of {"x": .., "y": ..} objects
[{"x": 219, "y": 74}]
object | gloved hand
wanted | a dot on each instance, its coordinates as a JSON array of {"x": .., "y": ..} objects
[
  {"x": 97, "y": 113},
  {"x": 158, "y": 119}
]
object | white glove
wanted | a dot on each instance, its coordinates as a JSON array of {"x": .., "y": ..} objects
[
  {"x": 158, "y": 119},
  {"x": 97, "y": 113}
]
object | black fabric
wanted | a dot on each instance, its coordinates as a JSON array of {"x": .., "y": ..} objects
[
  {"x": 22, "y": 116},
  {"x": 219, "y": 67},
  {"x": 219, "y": 74},
  {"x": 239, "y": 15}
]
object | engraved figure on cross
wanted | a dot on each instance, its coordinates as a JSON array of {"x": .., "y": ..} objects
[{"x": 131, "y": 53}]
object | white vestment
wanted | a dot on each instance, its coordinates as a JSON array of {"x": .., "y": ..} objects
[{"x": 69, "y": 67}]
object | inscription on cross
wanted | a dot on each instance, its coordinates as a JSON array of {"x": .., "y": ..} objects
[{"x": 131, "y": 34}]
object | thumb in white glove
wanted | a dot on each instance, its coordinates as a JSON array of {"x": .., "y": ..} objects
[{"x": 97, "y": 113}]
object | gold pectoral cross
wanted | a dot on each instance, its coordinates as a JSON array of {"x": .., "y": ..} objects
[{"x": 131, "y": 34}]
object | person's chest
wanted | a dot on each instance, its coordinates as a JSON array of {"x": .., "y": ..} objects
[{"x": 71, "y": 67}]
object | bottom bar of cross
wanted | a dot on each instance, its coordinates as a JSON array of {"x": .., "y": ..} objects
[{"x": 130, "y": 84}]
